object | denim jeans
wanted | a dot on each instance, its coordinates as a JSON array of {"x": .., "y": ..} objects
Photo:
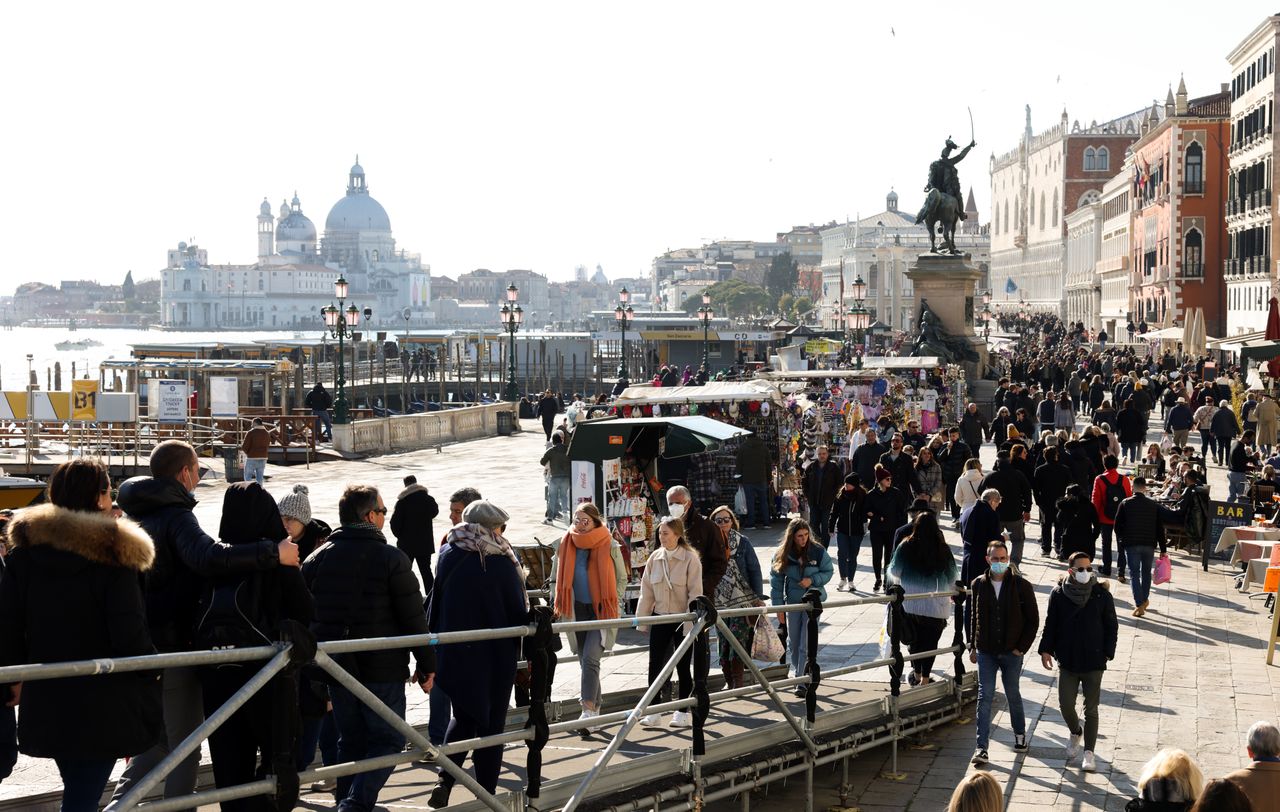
[
  {"x": 1208, "y": 445},
  {"x": 1237, "y": 482},
  {"x": 1108, "y": 533},
  {"x": 1017, "y": 531},
  {"x": 323, "y": 416},
  {"x": 757, "y": 504},
  {"x": 440, "y": 710},
  {"x": 1130, "y": 451},
  {"x": 1070, "y": 684},
  {"x": 819, "y": 518},
  {"x": 590, "y": 647},
  {"x": 83, "y": 781},
  {"x": 1141, "y": 559},
  {"x": 322, "y": 733},
  {"x": 847, "y": 548},
  {"x": 1010, "y": 667},
  {"x": 363, "y": 734},
  {"x": 797, "y": 642},
  {"x": 557, "y": 496},
  {"x": 255, "y": 470}
]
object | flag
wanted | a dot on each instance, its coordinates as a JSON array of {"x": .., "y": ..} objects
[{"x": 1009, "y": 286}]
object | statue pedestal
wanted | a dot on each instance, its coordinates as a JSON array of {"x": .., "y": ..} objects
[{"x": 948, "y": 283}]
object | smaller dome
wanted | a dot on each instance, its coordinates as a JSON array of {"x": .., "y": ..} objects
[
  {"x": 265, "y": 208},
  {"x": 891, "y": 200},
  {"x": 296, "y": 202},
  {"x": 356, "y": 168}
]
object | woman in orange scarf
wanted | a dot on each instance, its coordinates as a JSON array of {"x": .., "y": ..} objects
[{"x": 590, "y": 577}]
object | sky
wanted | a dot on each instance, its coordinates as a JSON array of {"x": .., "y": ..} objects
[{"x": 539, "y": 135}]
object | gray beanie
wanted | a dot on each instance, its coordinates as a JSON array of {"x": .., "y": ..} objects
[
  {"x": 296, "y": 505},
  {"x": 486, "y": 514}
]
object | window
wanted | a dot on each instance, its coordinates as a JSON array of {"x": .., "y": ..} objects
[
  {"x": 1193, "y": 254},
  {"x": 1194, "y": 172},
  {"x": 1055, "y": 208},
  {"x": 1031, "y": 209},
  {"x": 1103, "y": 161},
  {"x": 1043, "y": 222},
  {"x": 1089, "y": 157}
]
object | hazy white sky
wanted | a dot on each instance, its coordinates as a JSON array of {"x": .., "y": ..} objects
[{"x": 538, "y": 135}]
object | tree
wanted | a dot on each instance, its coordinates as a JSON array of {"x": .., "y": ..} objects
[
  {"x": 786, "y": 304},
  {"x": 127, "y": 289},
  {"x": 733, "y": 297},
  {"x": 782, "y": 275},
  {"x": 802, "y": 306}
]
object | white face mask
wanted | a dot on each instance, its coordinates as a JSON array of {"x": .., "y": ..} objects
[
  {"x": 676, "y": 511},
  {"x": 1083, "y": 577}
]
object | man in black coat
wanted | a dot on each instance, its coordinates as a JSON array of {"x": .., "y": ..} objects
[
  {"x": 952, "y": 458},
  {"x": 162, "y": 504},
  {"x": 411, "y": 524},
  {"x": 886, "y": 510},
  {"x": 1015, "y": 502},
  {"x": 1139, "y": 529},
  {"x": 823, "y": 480},
  {"x": 1048, "y": 484},
  {"x": 363, "y": 587},
  {"x": 867, "y": 457},
  {"x": 979, "y": 526},
  {"x": 1080, "y": 630},
  {"x": 548, "y": 408},
  {"x": 901, "y": 465},
  {"x": 319, "y": 401}
]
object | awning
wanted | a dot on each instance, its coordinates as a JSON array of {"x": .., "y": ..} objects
[
  {"x": 648, "y": 437},
  {"x": 1165, "y": 333},
  {"x": 1259, "y": 350},
  {"x": 873, "y": 366},
  {"x": 712, "y": 391},
  {"x": 1234, "y": 343}
]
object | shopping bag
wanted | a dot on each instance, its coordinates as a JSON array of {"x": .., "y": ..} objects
[
  {"x": 1166, "y": 444},
  {"x": 886, "y": 645},
  {"x": 740, "y": 501},
  {"x": 1163, "y": 572},
  {"x": 767, "y": 646}
]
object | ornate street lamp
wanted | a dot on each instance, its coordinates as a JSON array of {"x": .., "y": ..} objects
[
  {"x": 340, "y": 324},
  {"x": 511, "y": 316},
  {"x": 705, "y": 314},
  {"x": 858, "y": 319},
  {"x": 625, "y": 316}
]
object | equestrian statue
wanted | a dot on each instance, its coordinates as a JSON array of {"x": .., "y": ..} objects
[{"x": 943, "y": 206}]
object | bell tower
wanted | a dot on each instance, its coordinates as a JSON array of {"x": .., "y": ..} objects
[{"x": 266, "y": 231}]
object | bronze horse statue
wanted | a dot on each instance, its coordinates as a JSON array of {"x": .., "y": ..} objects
[{"x": 941, "y": 212}]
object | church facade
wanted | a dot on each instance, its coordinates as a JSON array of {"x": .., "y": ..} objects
[{"x": 295, "y": 270}]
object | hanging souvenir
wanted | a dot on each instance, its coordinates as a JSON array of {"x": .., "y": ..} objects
[
  {"x": 657, "y": 410},
  {"x": 764, "y": 409}
]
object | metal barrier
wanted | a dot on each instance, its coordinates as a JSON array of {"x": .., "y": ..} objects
[{"x": 702, "y": 616}]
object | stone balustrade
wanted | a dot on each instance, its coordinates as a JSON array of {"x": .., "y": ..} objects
[{"x": 408, "y": 432}]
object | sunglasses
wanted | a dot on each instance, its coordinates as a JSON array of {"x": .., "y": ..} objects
[
  {"x": 723, "y": 520},
  {"x": 1083, "y": 569}
]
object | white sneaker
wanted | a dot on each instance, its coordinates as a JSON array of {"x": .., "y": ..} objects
[
  {"x": 1088, "y": 764},
  {"x": 680, "y": 719},
  {"x": 1073, "y": 745},
  {"x": 842, "y": 586},
  {"x": 586, "y": 716},
  {"x": 652, "y": 720}
]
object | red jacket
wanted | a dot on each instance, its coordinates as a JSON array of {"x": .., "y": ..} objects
[{"x": 1100, "y": 492}]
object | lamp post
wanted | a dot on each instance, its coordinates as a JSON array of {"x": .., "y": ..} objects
[
  {"x": 705, "y": 314},
  {"x": 511, "y": 315},
  {"x": 624, "y": 315},
  {"x": 404, "y": 365},
  {"x": 858, "y": 318},
  {"x": 986, "y": 315},
  {"x": 339, "y": 323}
]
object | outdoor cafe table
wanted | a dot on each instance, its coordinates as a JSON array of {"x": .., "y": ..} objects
[{"x": 1248, "y": 542}]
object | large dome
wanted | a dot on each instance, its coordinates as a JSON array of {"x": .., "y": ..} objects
[
  {"x": 297, "y": 226},
  {"x": 357, "y": 212}
]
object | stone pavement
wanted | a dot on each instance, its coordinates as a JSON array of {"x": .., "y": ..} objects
[{"x": 1190, "y": 674}]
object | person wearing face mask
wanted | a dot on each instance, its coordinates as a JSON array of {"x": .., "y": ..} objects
[
  {"x": 703, "y": 535},
  {"x": 1080, "y": 631},
  {"x": 1002, "y": 626}
]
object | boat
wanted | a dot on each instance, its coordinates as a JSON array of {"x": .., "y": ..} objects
[
  {"x": 82, "y": 344},
  {"x": 19, "y": 492}
]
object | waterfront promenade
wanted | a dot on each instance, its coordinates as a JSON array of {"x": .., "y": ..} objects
[{"x": 1190, "y": 674}]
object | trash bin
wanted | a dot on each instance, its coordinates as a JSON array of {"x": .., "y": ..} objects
[
  {"x": 506, "y": 424},
  {"x": 231, "y": 467}
]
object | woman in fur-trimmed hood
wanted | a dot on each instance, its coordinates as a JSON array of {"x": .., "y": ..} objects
[{"x": 72, "y": 591}]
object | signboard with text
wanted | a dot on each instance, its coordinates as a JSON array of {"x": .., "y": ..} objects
[
  {"x": 1226, "y": 514},
  {"x": 84, "y": 400},
  {"x": 171, "y": 404}
]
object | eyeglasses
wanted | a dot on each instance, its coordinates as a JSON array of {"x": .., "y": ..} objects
[
  {"x": 380, "y": 510},
  {"x": 723, "y": 520}
]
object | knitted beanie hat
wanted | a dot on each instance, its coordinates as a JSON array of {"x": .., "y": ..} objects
[{"x": 296, "y": 505}]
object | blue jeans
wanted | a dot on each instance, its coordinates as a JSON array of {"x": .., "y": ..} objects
[
  {"x": 363, "y": 734},
  {"x": 1010, "y": 667},
  {"x": 83, "y": 781},
  {"x": 322, "y": 733},
  {"x": 557, "y": 496},
  {"x": 255, "y": 470},
  {"x": 819, "y": 518},
  {"x": 323, "y": 416},
  {"x": 1208, "y": 445},
  {"x": 757, "y": 504},
  {"x": 1236, "y": 484},
  {"x": 797, "y": 641},
  {"x": 847, "y": 548},
  {"x": 590, "y": 647},
  {"x": 440, "y": 711},
  {"x": 1141, "y": 559}
]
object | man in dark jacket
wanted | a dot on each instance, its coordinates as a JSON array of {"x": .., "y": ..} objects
[
  {"x": 1080, "y": 630},
  {"x": 1048, "y": 484},
  {"x": 867, "y": 457},
  {"x": 973, "y": 427},
  {"x": 885, "y": 508},
  {"x": 755, "y": 468},
  {"x": 411, "y": 525},
  {"x": 1179, "y": 421},
  {"x": 952, "y": 458},
  {"x": 1002, "y": 627},
  {"x": 559, "y": 477},
  {"x": 1015, "y": 502},
  {"x": 364, "y": 587},
  {"x": 901, "y": 466},
  {"x": 822, "y": 481},
  {"x": 979, "y": 526},
  {"x": 1139, "y": 528},
  {"x": 319, "y": 401},
  {"x": 162, "y": 504},
  {"x": 703, "y": 535},
  {"x": 1239, "y": 463},
  {"x": 548, "y": 408}
]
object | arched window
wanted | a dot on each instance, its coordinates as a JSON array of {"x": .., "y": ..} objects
[
  {"x": 1102, "y": 162},
  {"x": 1031, "y": 211},
  {"x": 1043, "y": 222},
  {"x": 1006, "y": 215},
  {"x": 1055, "y": 208},
  {"x": 1194, "y": 170},
  {"x": 1089, "y": 158},
  {"x": 1193, "y": 254}
]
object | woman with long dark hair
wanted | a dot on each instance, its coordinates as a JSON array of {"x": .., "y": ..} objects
[
  {"x": 924, "y": 563},
  {"x": 799, "y": 563}
]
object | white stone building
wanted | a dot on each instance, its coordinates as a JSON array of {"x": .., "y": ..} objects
[
  {"x": 1083, "y": 249},
  {"x": 1112, "y": 268}
]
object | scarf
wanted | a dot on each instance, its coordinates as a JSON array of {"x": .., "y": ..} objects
[
  {"x": 476, "y": 538},
  {"x": 733, "y": 591},
  {"x": 1077, "y": 592},
  {"x": 600, "y": 574}
]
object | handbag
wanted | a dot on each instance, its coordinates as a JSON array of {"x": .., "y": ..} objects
[
  {"x": 1163, "y": 572},
  {"x": 740, "y": 501},
  {"x": 767, "y": 646}
]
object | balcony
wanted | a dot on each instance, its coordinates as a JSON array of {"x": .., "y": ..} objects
[
  {"x": 1193, "y": 270},
  {"x": 1193, "y": 188}
]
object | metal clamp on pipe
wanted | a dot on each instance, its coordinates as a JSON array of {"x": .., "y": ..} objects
[
  {"x": 701, "y": 605},
  {"x": 540, "y": 655},
  {"x": 813, "y": 597},
  {"x": 900, "y": 631},
  {"x": 957, "y": 637}
]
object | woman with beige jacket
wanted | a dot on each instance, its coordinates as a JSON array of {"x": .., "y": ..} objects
[{"x": 672, "y": 578}]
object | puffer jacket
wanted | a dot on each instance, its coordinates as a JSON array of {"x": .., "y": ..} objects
[
  {"x": 968, "y": 488},
  {"x": 671, "y": 579},
  {"x": 1140, "y": 523},
  {"x": 1081, "y": 638},
  {"x": 814, "y": 564},
  {"x": 185, "y": 555}
]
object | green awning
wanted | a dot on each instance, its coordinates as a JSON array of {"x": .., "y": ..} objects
[
  {"x": 648, "y": 437},
  {"x": 1259, "y": 350}
]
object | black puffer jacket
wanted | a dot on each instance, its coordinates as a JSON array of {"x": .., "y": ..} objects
[
  {"x": 1015, "y": 491},
  {"x": 1080, "y": 638},
  {"x": 185, "y": 555},
  {"x": 71, "y": 592},
  {"x": 1140, "y": 523},
  {"x": 847, "y": 513},
  {"x": 363, "y": 587},
  {"x": 886, "y": 511},
  {"x": 952, "y": 458},
  {"x": 1049, "y": 483}
]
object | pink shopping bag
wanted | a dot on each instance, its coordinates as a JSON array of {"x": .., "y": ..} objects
[{"x": 1163, "y": 573}]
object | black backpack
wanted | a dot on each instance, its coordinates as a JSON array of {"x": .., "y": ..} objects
[
  {"x": 231, "y": 614},
  {"x": 1113, "y": 495}
]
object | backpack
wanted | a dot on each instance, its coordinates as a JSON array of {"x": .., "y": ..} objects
[
  {"x": 1113, "y": 495},
  {"x": 231, "y": 614}
]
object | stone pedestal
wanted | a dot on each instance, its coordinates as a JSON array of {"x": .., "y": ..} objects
[{"x": 948, "y": 283}]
